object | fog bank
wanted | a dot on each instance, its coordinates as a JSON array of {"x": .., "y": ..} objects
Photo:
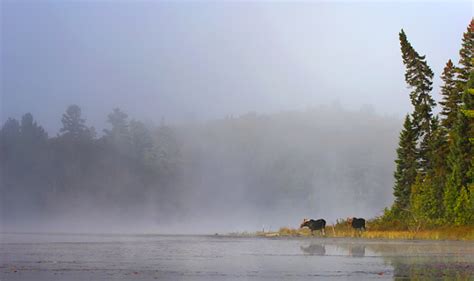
[{"x": 234, "y": 174}]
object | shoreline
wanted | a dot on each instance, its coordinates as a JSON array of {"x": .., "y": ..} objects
[
  {"x": 465, "y": 233},
  {"x": 440, "y": 234}
]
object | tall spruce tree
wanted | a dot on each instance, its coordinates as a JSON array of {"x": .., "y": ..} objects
[
  {"x": 419, "y": 78},
  {"x": 466, "y": 63},
  {"x": 119, "y": 134},
  {"x": 439, "y": 150},
  {"x": 406, "y": 166},
  {"x": 457, "y": 198},
  {"x": 74, "y": 125},
  {"x": 470, "y": 173},
  {"x": 465, "y": 203},
  {"x": 469, "y": 112},
  {"x": 466, "y": 54},
  {"x": 468, "y": 103},
  {"x": 458, "y": 163},
  {"x": 451, "y": 97}
]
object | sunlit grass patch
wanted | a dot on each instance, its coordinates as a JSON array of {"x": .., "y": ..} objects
[
  {"x": 454, "y": 233},
  {"x": 342, "y": 229}
]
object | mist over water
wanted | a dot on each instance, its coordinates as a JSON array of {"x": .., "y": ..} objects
[
  {"x": 151, "y": 257},
  {"x": 246, "y": 173}
]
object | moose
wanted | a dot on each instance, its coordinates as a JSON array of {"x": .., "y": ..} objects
[
  {"x": 314, "y": 225},
  {"x": 357, "y": 223}
]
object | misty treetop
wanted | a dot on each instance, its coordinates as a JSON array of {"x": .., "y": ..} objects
[{"x": 434, "y": 178}]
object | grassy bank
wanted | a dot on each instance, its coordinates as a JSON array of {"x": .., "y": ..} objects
[{"x": 343, "y": 230}]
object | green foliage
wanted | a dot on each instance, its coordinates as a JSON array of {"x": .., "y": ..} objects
[
  {"x": 419, "y": 78},
  {"x": 425, "y": 201},
  {"x": 443, "y": 189},
  {"x": 450, "y": 198},
  {"x": 451, "y": 97},
  {"x": 463, "y": 210},
  {"x": 438, "y": 170},
  {"x": 460, "y": 164},
  {"x": 392, "y": 219},
  {"x": 406, "y": 166},
  {"x": 468, "y": 108},
  {"x": 466, "y": 53}
]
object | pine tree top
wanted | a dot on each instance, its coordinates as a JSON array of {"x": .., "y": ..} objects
[
  {"x": 451, "y": 97},
  {"x": 419, "y": 78},
  {"x": 466, "y": 53}
]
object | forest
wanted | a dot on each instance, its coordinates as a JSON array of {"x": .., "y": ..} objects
[{"x": 434, "y": 176}]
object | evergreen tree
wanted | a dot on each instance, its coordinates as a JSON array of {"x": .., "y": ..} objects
[
  {"x": 424, "y": 200},
  {"x": 10, "y": 131},
  {"x": 74, "y": 125},
  {"x": 119, "y": 135},
  {"x": 406, "y": 166},
  {"x": 466, "y": 54},
  {"x": 468, "y": 99},
  {"x": 468, "y": 104},
  {"x": 470, "y": 175},
  {"x": 460, "y": 159},
  {"x": 10, "y": 135},
  {"x": 457, "y": 199},
  {"x": 458, "y": 164},
  {"x": 439, "y": 150},
  {"x": 468, "y": 110},
  {"x": 463, "y": 208},
  {"x": 142, "y": 142},
  {"x": 450, "y": 95},
  {"x": 419, "y": 78},
  {"x": 31, "y": 131},
  {"x": 33, "y": 138}
]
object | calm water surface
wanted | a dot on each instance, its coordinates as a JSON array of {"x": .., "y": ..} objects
[{"x": 156, "y": 257}]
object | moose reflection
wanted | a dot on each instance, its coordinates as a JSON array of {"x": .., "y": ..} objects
[
  {"x": 357, "y": 250},
  {"x": 314, "y": 250}
]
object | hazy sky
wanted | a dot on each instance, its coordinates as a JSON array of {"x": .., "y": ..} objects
[{"x": 200, "y": 60}]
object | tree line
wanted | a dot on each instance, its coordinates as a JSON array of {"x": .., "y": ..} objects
[
  {"x": 43, "y": 175},
  {"x": 434, "y": 176},
  {"x": 251, "y": 168}
]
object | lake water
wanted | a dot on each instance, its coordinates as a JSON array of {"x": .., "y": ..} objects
[{"x": 159, "y": 257}]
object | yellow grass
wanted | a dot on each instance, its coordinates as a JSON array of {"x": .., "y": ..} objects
[{"x": 341, "y": 230}]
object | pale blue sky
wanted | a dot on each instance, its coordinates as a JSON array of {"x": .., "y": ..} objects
[{"x": 201, "y": 60}]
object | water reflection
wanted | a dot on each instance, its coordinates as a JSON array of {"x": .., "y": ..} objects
[
  {"x": 427, "y": 260},
  {"x": 357, "y": 250},
  {"x": 314, "y": 250},
  {"x": 400, "y": 260},
  {"x": 350, "y": 249},
  {"x": 208, "y": 258}
]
